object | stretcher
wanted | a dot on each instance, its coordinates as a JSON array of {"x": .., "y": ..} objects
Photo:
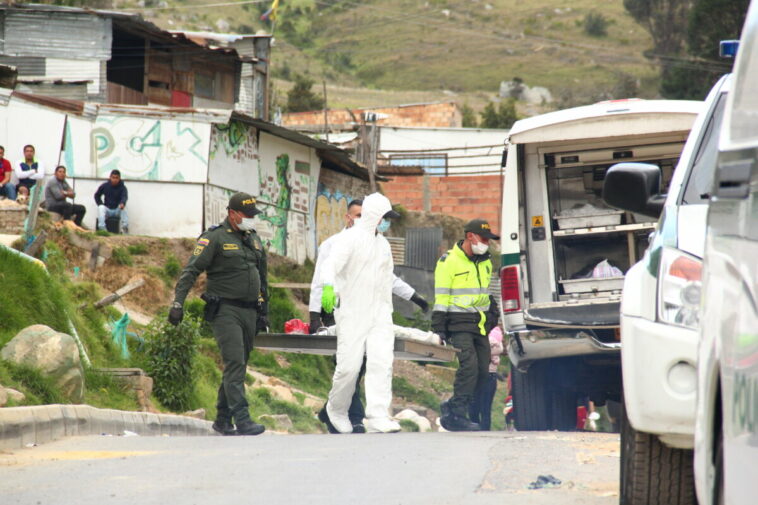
[{"x": 326, "y": 345}]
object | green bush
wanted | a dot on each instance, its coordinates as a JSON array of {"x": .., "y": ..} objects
[
  {"x": 38, "y": 388},
  {"x": 169, "y": 356},
  {"x": 173, "y": 267},
  {"x": 137, "y": 249},
  {"x": 595, "y": 24},
  {"x": 122, "y": 256}
]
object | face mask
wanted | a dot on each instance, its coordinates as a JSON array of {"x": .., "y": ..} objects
[
  {"x": 479, "y": 248},
  {"x": 384, "y": 225},
  {"x": 246, "y": 224}
]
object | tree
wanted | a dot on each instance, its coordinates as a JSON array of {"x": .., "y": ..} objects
[
  {"x": 300, "y": 98},
  {"x": 468, "y": 116},
  {"x": 502, "y": 117}
]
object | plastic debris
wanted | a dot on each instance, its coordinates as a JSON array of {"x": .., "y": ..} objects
[
  {"x": 544, "y": 482},
  {"x": 128, "y": 433}
]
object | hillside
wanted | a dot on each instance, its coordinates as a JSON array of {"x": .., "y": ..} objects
[{"x": 439, "y": 48}]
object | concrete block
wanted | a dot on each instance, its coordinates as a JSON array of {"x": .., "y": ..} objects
[
  {"x": 71, "y": 421},
  {"x": 42, "y": 426},
  {"x": 16, "y": 427},
  {"x": 151, "y": 424},
  {"x": 83, "y": 415},
  {"x": 57, "y": 423}
]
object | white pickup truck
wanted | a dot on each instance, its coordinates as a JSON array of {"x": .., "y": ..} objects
[{"x": 564, "y": 252}]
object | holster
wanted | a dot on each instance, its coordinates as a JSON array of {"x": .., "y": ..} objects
[{"x": 212, "y": 304}]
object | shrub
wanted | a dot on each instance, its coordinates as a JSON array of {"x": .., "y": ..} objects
[
  {"x": 170, "y": 360},
  {"x": 137, "y": 249},
  {"x": 122, "y": 256},
  {"x": 173, "y": 267},
  {"x": 596, "y": 24}
]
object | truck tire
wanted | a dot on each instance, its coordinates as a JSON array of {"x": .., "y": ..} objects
[
  {"x": 563, "y": 410},
  {"x": 531, "y": 399},
  {"x": 651, "y": 472}
]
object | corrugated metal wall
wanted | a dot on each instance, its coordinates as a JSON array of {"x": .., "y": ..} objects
[
  {"x": 397, "y": 245},
  {"x": 25, "y": 66},
  {"x": 69, "y": 91},
  {"x": 422, "y": 247},
  {"x": 68, "y": 35}
]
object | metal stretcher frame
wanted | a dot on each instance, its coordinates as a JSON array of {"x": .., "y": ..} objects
[{"x": 326, "y": 345}]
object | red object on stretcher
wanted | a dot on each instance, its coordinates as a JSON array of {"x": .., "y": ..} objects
[{"x": 296, "y": 326}]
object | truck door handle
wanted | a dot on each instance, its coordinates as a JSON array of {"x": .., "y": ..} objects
[{"x": 733, "y": 179}]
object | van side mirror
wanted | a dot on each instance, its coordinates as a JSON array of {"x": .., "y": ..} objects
[{"x": 634, "y": 187}]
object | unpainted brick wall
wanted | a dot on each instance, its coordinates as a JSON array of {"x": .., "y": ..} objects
[
  {"x": 12, "y": 220},
  {"x": 444, "y": 115},
  {"x": 464, "y": 196}
]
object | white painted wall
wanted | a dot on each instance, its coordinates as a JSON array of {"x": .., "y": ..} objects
[
  {"x": 234, "y": 157},
  {"x": 442, "y": 139},
  {"x": 158, "y": 209}
]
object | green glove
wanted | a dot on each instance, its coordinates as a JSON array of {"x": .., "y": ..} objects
[{"x": 328, "y": 299}]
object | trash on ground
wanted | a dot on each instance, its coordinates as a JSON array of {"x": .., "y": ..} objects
[{"x": 544, "y": 482}]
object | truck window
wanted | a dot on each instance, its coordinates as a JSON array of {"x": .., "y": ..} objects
[{"x": 700, "y": 179}]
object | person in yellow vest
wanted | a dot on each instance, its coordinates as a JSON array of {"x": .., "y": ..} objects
[{"x": 463, "y": 315}]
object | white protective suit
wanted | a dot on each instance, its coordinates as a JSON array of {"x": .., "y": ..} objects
[
  {"x": 399, "y": 286},
  {"x": 359, "y": 268}
]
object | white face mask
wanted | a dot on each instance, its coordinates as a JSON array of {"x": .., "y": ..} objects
[
  {"x": 479, "y": 247},
  {"x": 246, "y": 224}
]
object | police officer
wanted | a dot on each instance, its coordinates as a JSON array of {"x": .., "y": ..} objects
[
  {"x": 463, "y": 314},
  {"x": 232, "y": 255}
]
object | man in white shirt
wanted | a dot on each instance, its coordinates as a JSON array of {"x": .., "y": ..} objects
[
  {"x": 319, "y": 318},
  {"x": 28, "y": 171}
]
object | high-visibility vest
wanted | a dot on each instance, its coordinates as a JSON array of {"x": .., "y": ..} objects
[{"x": 461, "y": 287}]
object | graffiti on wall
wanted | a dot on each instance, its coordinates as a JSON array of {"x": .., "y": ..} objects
[
  {"x": 234, "y": 157},
  {"x": 277, "y": 191},
  {"x": 150, "y": 149},
  {"x": 331, "y": 208}
]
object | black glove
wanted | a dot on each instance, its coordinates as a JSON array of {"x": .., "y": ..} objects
[
  {"x": 176, "y": 314},
  {"x": 419, "y": 300},
  {"x": 261, "y": 324},
  {"x": 315, "y": 322}
]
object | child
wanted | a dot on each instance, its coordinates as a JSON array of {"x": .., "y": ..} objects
[{"x": 480, "y": 409}]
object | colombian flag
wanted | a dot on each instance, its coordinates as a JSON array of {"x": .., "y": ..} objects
[{"x": 270, "y": 15}]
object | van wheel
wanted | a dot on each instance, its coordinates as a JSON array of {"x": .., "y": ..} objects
[
  {"x": 653, "y": 473},
  {"x": 531, "y": 399},
  {"x": 563, "y": 411},
  {"x": 718, "y": 486}
]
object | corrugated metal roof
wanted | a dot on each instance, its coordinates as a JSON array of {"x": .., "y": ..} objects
[
  {"x": 62, "y": 104},
  {"x": 25, "y": 65},
  {"x": 68, "y": 90},
  {"x": 48, "y": 34}
]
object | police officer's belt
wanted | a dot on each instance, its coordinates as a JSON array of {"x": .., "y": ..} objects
[{"x": 239, "y": 303}]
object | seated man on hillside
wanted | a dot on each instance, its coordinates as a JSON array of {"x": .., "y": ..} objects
[
  {"x": 7, "y": 189},
  {"x": 28, "y": 171},
  {"x": 56, "y": 193},
  {"x": 115, "y": 194}
]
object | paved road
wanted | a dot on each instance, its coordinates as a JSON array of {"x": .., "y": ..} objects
[{"x": 402, "y": 468}]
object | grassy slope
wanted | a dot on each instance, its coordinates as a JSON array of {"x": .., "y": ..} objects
[{"x": 400, "y": 46}]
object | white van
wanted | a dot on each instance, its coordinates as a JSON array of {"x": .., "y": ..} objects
[
  {"x": 726, "y": 433},
  {"x": 564, "y": 252},
  {"x": 659, "y": 315}
]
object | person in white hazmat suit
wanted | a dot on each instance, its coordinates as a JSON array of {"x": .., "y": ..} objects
[
  {"x": 357, "y": 283},
  {"x": 319, "y": 318}
]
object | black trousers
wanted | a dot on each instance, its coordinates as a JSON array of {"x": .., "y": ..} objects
[
  {"x": 473, "y": 369},
  {"x": 67, "y": 210},
  {"x": 480, "y": 410}
]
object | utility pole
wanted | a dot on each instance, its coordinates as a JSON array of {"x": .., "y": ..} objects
[
  {"x": 368, "y": 148},
  {"x": 326, "y": 115}
]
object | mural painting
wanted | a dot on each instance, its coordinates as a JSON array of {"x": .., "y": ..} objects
[
  {"x": 234, "y": 157},
  {"x": 149, "y": 149},
  {"x": 331, "y": 208},
  {"x": 276, "y": 190}
]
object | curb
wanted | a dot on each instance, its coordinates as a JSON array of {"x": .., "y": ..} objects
[{"x": 20, "y": 426}]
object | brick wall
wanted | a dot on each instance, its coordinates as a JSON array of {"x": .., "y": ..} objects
[
  {"x": 429, "y": 115},
  {"x": 465, "y": 197},
  {"x": 12, "y": 219}
]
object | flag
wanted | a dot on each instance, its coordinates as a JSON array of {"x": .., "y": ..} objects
[{"x": 270, "y": 15}]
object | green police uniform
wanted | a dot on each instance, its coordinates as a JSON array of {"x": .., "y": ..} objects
[
  {"x": 235, "y": 263},
  {"x": 464, "y": 312}
]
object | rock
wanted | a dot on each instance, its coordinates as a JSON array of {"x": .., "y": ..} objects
[
  {"x": 283, "y": 393},
  {"x": 3, "y": 397},
  {"x": 420, "y": 421},
  {"x": 282, "y": 421},
  {"x": 16, "y": 396},
  {"x": 55, "y": 354},
  {"x": 197, "y": 414}
]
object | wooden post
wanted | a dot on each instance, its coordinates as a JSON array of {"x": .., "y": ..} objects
[{"x": 113, "y": 297}]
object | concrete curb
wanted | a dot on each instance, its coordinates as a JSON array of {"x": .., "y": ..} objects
[{"x": 20, "y": 426}]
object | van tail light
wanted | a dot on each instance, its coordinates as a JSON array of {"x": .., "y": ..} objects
[{"x": 509, "y": 289}]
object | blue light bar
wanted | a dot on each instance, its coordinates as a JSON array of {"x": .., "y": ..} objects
[{"x": 728, "y": 48}]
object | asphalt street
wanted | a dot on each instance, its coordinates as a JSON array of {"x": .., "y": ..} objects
[{"x": 381, "y": 469}]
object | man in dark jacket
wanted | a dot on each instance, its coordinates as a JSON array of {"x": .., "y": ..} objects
[{"x": 115, "y": 194}]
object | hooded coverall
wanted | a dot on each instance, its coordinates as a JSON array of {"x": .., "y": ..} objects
[{"x": 359, "y": 268}]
